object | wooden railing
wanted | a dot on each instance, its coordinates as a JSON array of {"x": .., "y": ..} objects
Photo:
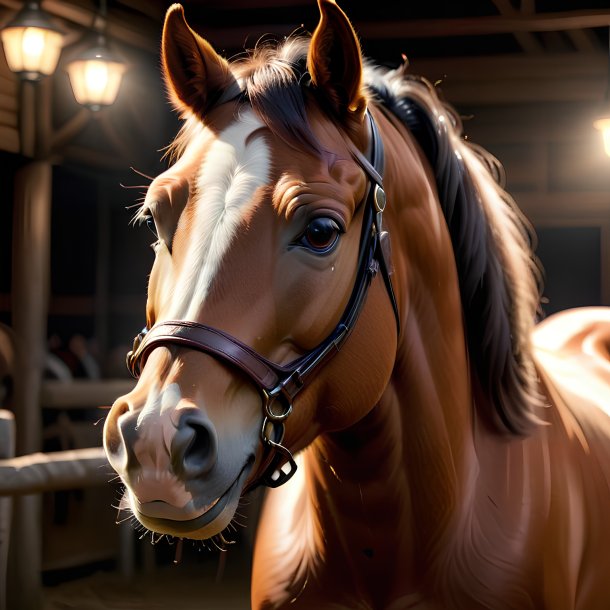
[{"x": 60, "y": 470}]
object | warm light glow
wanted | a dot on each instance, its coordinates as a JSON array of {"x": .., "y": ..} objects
[
  {"x": 96, "y": 78},
  {"x": 32, "y": 44},
  {"x": 604, "y": 126},
  {"x": 95, "y": 82},
  {"x": 31, "y": 51}
]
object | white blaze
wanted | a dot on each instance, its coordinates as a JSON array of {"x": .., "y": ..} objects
[{"x": 233, "y": 169}]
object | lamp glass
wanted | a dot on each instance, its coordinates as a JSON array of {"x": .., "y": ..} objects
[
  {"x": 32, "y": 52},
  {"x": 95, "y": 82},
  {"x": 603, "y": 125}
]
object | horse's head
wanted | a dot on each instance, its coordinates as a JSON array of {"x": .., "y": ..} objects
[{"x": 269, "y": 228}]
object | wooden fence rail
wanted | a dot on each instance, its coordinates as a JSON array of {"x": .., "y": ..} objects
[
  {"x": 38, "y": 472},
  {"x": 55, "y": 471}
]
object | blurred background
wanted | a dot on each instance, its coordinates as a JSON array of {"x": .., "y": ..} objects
[{"x": 530, "y": 79}]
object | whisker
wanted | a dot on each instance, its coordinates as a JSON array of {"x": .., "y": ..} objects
[
  {"x": 137, "y": 171},
  {"x": 133, "y": 186},
  {"x": 128, "y": 518}
]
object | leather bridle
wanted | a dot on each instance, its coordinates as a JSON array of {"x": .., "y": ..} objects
[{"x": 280, "y": 384}]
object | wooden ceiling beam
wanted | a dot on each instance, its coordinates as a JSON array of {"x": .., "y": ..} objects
[
  {"x": 481, "y": 26},
  {"x": 562, "y": 77},
  {"x": 558, "y": 66},
  {"x": 140, "y": 32},
  {"x": 234, "y": 37},
  {"x": 527, "y": 40},
  {"x": 144, "y": 31},
  {"x": 584, "y": 41}
]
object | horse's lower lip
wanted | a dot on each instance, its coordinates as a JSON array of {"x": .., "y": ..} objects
[{"x": 216, "y": 507}]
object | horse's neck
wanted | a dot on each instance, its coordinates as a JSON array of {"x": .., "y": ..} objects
[
  {"x": 400, "y": 484},
  {"x": 385, "y": 492},
  {"x": 372, "y": 505}
]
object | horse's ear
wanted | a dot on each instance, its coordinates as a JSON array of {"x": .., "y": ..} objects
[
  {"x": 195, "y": 74},
  {"x": 335, "y": 62}
]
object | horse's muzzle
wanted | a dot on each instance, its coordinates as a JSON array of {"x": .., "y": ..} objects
[{"x": 183, "y": 443}]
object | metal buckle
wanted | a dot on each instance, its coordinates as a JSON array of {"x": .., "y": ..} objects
[
  {"x": 131, "y": 359},
  {"x": 379, "y": 198},
  {"x": 274, "y": 396}
]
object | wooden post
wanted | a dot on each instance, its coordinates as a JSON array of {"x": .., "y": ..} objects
[
  {"x": 7, "y": 450},
  {"x": 102, "y": 292},
  {"x": 30, "y": 292}
]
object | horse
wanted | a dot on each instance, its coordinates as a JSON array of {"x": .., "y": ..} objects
[{"x": 344, "y": 308}]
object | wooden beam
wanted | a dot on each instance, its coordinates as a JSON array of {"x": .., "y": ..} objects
[
  {"x": 153, "y": 10},
  {"x": 239, "y": 4},
  {"x": 521, "y": 91},
  {"x": 8, "y": 118},
  {"x": 70, "y": 129},
  {"x": 83, "y": 393},
  {"x": 123, "y": 146},
  {"x": 8, "y": 101},
  {"x": 558, "y": 66},
  {"x": 484, "y": 26},
  {"x": 527, "y": 40},
  {"x": 9, "y": 139},
  {"x": 30, "y": 292},
  {"x": 8, "y": 84},
  {"x": 403, "y": 29},
  {"x": 93, "y": 158},
  {"x": 528, "y": 7},
  {"x": 508, "y": 79},
  {"x": 137, "y": 31},
  {"x": 545, "y": 207},
  {"x": 39, "y": 472},
  {"x": 584, "y": 41}
]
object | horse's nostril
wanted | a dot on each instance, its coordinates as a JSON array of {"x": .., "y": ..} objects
[
  {"x": 198, "y": 451},
  {"x": 113, "y": 441},
  {"x": 194, "y": 447}
]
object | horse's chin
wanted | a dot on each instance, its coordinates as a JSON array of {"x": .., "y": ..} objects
[{"x": 188, "y": 522}]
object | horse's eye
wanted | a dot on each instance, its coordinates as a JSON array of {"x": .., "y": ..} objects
[
  {"x": 152, "y": 227},
  {"x": 321, "y": 235}
]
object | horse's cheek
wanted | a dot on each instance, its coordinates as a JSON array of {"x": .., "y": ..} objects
[{"x": 365, "y": 373}]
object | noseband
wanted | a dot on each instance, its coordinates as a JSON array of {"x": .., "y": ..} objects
[{"x": 280, "y": 384}]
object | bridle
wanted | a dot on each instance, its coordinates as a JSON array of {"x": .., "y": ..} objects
[{"x": 280, "y": 384}]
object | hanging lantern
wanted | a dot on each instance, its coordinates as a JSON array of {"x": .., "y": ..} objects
[
  {"x": 32, "y": 43},
  {"x": 96, "y": 76}
]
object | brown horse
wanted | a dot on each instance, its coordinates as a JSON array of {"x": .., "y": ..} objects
[{"x": 449, "y": 456}]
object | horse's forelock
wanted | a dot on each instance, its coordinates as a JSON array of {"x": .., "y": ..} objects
[
  {"x": 499, "y": 277},
  {"x": 275, "y": 83}
]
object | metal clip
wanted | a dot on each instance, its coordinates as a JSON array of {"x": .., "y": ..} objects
[{"x": 275, "y": 473}]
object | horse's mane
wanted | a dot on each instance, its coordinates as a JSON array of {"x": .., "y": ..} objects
[
  {"x": 498, "y": 274},
  {"x": 500, "y": 278}
]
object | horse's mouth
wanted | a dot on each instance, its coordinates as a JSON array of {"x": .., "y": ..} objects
[{"x": 163, "y": 518}]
